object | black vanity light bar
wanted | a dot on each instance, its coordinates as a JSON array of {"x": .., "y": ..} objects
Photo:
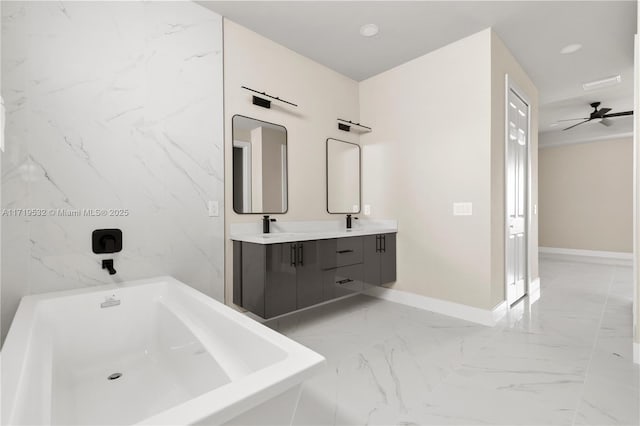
[
  {"x": 265, "y": 103},
  {"x": 346, "y": 125}
]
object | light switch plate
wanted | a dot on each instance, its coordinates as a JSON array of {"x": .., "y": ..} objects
[
  {"x": 535, "y": 209},
  {"x": 214, "y": 210},
  {"x": 367, "y": 209},
  {"x": 462, "y": 209}
]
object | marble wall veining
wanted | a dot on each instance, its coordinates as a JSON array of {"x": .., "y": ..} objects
[{"x": 115, "y": 107}]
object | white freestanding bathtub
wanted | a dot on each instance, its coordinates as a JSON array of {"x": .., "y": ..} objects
[{"x": 150, "y": 352}]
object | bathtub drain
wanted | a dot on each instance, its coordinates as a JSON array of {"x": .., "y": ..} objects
[{"x": 114, "y": 376}]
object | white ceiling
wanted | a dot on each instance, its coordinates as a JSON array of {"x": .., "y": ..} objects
[{"x": 328, "y": 32}]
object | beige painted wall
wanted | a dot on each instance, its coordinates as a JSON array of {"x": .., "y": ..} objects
[
  {"x": 429, "y": 148},
  {"x": 439, "y": 133},
  {"x": 503, "y": 63},
  {"x": 322, "y": 95},
  {"x": 586, "y": 196}
]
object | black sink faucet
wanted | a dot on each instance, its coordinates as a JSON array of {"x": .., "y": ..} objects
[
  {"x": 349, "y": 222},
  {"x": 266, "y": 224}
]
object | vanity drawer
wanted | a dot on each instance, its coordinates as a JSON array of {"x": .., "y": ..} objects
[
  {"x": 342, "y": 281},
  {"x": 340, "y": 252}
]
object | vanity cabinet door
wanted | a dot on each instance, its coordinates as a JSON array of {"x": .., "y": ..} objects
[
  {"x": 371, "y": 259},
  {"x": 280, "y": 293},
  {"x": 309, "y": 274},
  {"x": 388, "y": 259},
  {"x": 380, "y": 259},
  {"x": 252, "y": 276}
]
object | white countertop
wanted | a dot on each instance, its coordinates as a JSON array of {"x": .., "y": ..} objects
[{"x": 284, "y": 232}]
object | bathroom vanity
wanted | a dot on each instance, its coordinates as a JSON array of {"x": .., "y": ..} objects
[
  {"x": 274, "y": 274},
  {"x": 301, "y": 264}
]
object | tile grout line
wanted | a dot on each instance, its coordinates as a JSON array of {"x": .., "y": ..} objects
[{"x": 595, "y": 343}]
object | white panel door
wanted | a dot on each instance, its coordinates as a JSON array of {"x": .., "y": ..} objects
[{"x": 516, "y": 196}]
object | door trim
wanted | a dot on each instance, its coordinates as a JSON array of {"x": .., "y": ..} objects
[
  {"x": 246, "y": 173},
  {"x": 510, "y": 85}
]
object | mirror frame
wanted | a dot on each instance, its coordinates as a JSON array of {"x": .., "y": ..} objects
[
  {"x": 359, "y": 175},
  {"x": 286, "y": 135}
]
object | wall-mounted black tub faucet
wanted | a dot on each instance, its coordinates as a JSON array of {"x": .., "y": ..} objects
[
  {"x": 266, "y": 222},
  {"x": 108, "y": 265}
]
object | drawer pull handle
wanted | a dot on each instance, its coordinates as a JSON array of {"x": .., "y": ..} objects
[
  {"x": 300, "y": 255},
  {"x": 344, "y": 251},
  {"x": 345, "y": 281}
]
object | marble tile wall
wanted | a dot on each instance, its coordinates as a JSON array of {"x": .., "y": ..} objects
[{"x": 116, "y": 106}]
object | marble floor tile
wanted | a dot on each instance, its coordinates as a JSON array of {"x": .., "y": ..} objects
[{"x": 565, "y": 359}]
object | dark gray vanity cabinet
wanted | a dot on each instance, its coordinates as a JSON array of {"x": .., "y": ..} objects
[
  {"x": 379, "y": 259},
  {"x": 278, "y": 278},
  {"x": 274, "y": 279}
]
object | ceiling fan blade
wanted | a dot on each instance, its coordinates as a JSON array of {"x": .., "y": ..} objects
[
  {"x": 573, "y": 119},
  {"x": 582, "y": 122},
  {"x": 618, "y": 114},
  {"x": 601, "y": 112}
]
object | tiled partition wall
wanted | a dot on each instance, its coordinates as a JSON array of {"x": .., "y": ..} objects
[{"x": 115, "y": 107}]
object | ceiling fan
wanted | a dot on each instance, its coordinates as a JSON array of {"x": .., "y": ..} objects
[{"x": 599, "y": 114}]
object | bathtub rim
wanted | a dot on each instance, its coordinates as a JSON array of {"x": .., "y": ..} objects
[{"x": 220, "y": 404}]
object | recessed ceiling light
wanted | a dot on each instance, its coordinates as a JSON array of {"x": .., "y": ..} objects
[
  {"x": 369, "y": 30},
  {"x": 571, "y": 48},
  {"x": 553, "y": 124}
]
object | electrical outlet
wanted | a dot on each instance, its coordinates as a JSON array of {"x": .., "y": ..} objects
[
  {"x": 214, "y": 210},
  {"x": 367, "y": 209}
]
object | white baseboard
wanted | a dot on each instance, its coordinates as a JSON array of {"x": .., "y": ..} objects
[
  {"x": 636, "y": 352},
  {"x": 452, "y": 309},
  {"x": 590, "y": 256}
]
